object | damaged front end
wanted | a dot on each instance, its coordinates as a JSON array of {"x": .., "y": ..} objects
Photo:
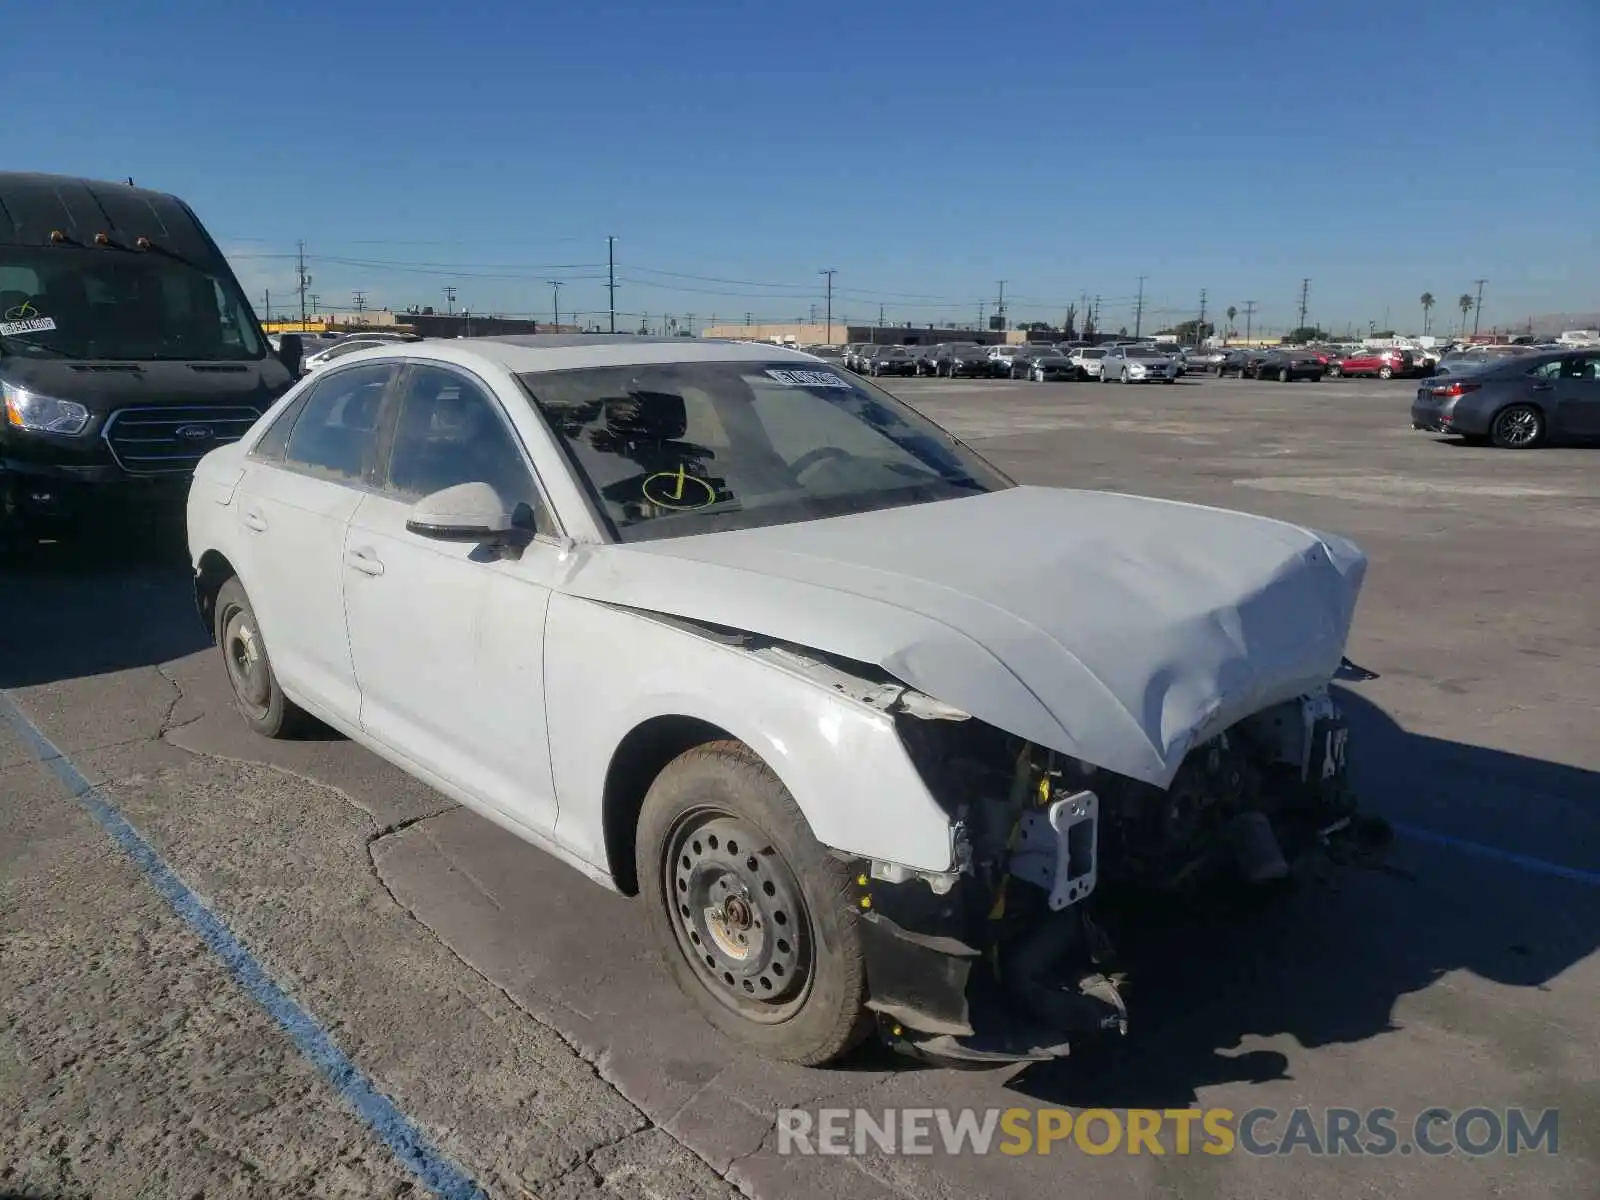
[{"x": 1009, "y": 957}]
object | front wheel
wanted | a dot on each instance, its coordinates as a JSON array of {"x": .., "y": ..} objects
[
  {"x": 256, "y": 691},
  {"x": 1284, "y": 376},
  {"x": 753, "y": 916},
  {"x": 1517, "y": 427},
  {"x": 1123, "y": 378},
  {"x": 1385, "y": 372},
  {"x": 1335, "y": 372}
]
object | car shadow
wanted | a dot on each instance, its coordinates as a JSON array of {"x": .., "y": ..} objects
[{"x": 1329, "y": 967}]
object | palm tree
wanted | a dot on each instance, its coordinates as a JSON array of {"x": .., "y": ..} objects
[
  {"x": 1427, "y": 305},
  {"x": 1465, "y": 304},
  {"x": 1232, "y": 313}
]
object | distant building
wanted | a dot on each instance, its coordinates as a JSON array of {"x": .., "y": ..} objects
[{"x": 425, "y": 323}]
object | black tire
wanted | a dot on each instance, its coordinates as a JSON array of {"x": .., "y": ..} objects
[
  {"x": 1317, "y": 378},
  {"x": 818, "y": 1007},
  {"x": 254, "y": 684},
  {"x": 1336, "y": 372},
  {"x": 1517, "y": 427},
  {"x": 1285, "y": 375},
  {"x": 1385, "y": 372}
]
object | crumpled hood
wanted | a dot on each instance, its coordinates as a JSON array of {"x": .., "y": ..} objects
[{"x": 1118, "y": 629}]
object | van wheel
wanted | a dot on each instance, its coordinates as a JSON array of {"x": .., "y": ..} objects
[
  {"x": 256, "y": 692},
  {"x": 752, "y": 915}
]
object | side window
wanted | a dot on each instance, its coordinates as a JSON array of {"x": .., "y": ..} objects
[
  {"x": 337, "y": 431},
  {"x": 451, "y": 431},
  {"x": 1584, "y": 367},
  {"x": 1549, "y": 370},
  {"x": 270, "y": 446}
]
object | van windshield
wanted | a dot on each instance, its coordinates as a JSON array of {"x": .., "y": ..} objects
[{"x": 70, "y": 302}]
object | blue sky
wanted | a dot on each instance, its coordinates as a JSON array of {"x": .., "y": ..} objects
[{"x": 925, "y": 150}]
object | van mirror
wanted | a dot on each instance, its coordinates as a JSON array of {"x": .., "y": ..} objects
[{"x": 291, "y": 350}]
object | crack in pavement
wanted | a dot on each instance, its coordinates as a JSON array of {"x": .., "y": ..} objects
[
  {"x": 592, "y": 1060},
  {"x": 383, "y": 831}
]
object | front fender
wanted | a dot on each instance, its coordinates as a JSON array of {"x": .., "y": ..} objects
[{"x": 609, "y": 670}]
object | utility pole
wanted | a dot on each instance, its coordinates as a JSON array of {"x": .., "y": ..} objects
[
  {"x": 1477, "y": 308},
  {"x": 303, "y": 281},
  {"x": 1305, "y": 293},
  {"x": 1138, "y": 312},
  {"x": 689, "y": 323},
  {"x": 360, "y": 299},
  {"x": 829, "y": 273},
  {"x": 611, "y": 280},
  {"x": 1097, "y": 316},
  {"x": 555, "y": 302},
  {"x": 1000, "y": 305},
  {"x": 880, "y": 316},
  {"x": 1200, "y": 329},
  {"x": 450, "y": 301},
  {"x": 812, "y": 319},
  {"x": 314, "y": 300},
  {"x": 1249, "y": 318},
  {"x": 266, "y": 299},
  {"x": 980, "y": 316}
]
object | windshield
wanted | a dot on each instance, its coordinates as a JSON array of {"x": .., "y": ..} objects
[
  {"x": 682, "y": 448},
  {"x": 69, "y": 302},
  {"x": 1144, "y": 352}
]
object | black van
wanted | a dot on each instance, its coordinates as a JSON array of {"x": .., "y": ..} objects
[{"x": 127, "y": 350}]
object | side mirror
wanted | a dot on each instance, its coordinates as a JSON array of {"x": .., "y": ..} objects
[
  {"x": 291, "y": 350},
  {"x": 469, "y": 512}
]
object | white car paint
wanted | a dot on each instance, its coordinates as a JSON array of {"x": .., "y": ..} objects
[{"x": 1116, "y": 629}]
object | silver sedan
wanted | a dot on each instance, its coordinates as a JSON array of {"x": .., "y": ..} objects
[{"x": 1137, "y": 364}]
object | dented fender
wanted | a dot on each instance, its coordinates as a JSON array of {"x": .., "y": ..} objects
[{"x": 609, "y": 669}]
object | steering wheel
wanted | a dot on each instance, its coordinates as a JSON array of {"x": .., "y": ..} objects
[{"x": 812, "y": 457}]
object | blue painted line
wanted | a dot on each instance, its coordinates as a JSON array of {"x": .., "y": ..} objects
[
  {"x": 397, "y": 1130},
  {"x": 1526, "y": 861}
]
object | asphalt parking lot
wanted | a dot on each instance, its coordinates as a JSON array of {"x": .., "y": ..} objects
[{"x": 512, "y": 1013}]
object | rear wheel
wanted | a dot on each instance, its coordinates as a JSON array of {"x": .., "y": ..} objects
[
  {"x": 753, "y": 916},
  {"x": 1385, "y": 372},
  {"x": 1517, "y": 427},
  {"x": 256, "y": 691},
  {"x": 1284, "y": 375},
  {"x": 1335, "y": 371}
]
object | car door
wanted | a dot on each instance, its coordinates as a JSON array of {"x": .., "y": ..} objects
[
  {"x": 302, "y": 482},
  {"x": 1577, "y": 394},
  {"x": 448, "y": 638}
]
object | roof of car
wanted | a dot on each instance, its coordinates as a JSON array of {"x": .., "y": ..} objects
[{"x": 563, "y": 352}]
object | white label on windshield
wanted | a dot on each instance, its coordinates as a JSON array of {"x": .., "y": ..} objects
[
  {"x": 825, "y": 379},
  {"x": 36, "y": 325}
]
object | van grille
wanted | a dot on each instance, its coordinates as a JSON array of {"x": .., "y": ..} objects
[{"x": 158, "y": 441}]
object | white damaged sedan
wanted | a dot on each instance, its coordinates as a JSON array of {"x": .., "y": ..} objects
[{"x": 879, "y": 737}]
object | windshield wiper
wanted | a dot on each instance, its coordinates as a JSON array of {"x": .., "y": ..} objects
[{"x": 36, "y": 346}]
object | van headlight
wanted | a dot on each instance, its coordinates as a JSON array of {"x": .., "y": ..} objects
[{"x": 42, "y": 414}]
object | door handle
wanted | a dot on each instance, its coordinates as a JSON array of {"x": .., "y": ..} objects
[
  {"x": 1544, "y": 387},
  {"x": 253, "y": 519},
  {"x": 365, "y": 561}
]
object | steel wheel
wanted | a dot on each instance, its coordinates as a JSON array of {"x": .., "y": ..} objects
[
  {"x": 1385, "y": 372},
  {"x": 1519, "y": 427},
  {"x": 739, "y": 916},
  {"x": 248, "y": 672}
]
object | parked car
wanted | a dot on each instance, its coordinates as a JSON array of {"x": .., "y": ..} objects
[
  {"x": 892, "y": 360},
  {"x": 1288, "y": 365},
  {"x": 1001, "y": 358},
  {"x": 1240, "y": 362},
  {"x": 927, "y": 359},
  {"x": 1088, "y": 360},
  {"x": 1516, "y": 402},
  {"x": 1204, "y": 358},
  {"x": 814, "y": 697},
  {"x": 1384, "y": 363},
  {"x": 963, "y": 359},
  {"x": 323, "y": 358},
  {"x": 1042, "y": 363},
  {"x": 1136, "y": 364}
]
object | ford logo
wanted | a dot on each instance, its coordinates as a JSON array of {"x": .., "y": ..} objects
[{"x": 195, "y": 433}]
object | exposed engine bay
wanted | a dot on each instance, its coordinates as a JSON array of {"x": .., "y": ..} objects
[{"x": 1050, "y": 846}]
